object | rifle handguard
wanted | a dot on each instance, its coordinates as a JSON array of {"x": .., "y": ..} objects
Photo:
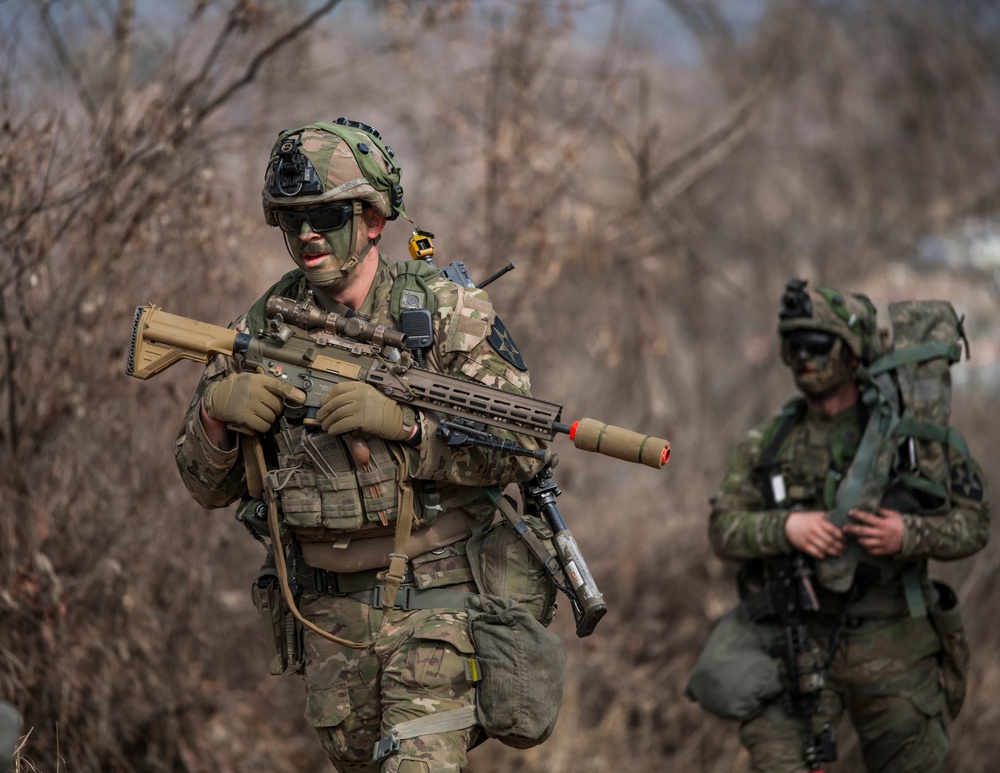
[{"x": 607, "y": 439}]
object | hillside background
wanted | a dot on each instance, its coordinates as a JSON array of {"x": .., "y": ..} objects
[{"x": 656, "y": 169}]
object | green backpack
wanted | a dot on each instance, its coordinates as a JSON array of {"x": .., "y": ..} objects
[{"x": 903, "y": 454}]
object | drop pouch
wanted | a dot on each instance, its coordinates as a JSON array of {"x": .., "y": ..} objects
[
  {"x": 522, "y": 669},
  {"x": 735, "y": 675}
]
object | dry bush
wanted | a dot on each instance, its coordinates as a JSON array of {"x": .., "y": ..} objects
[
  {"x": 110, "y": 197},
  {"x": 654, "y": 211}
]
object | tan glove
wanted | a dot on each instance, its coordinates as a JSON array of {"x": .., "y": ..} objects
[
  {"x": 250, "y": 400},
  {"x": 353, "y": 405}
]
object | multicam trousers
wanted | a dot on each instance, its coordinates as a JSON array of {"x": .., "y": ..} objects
[
  {"x": 417, "y": 666},
  {"x": 885, "y": 675}
]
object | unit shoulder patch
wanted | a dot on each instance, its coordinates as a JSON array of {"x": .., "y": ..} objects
[
  {"x": 504, "y": 345},
  {"x": 965, "y": 482}
]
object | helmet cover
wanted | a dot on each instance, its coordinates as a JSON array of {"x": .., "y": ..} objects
[{"x": 337, "y": 161}]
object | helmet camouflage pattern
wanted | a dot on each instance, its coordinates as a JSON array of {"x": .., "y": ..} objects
[
  {"x": 851, "y": 316},
  {"x": 338, "y": 161}
]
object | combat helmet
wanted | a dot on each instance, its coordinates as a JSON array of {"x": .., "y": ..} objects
[
  {"x": 851, "y": 316},
  {"x": 332, "y": 161}
]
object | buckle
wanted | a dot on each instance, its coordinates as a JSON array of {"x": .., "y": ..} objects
[
  {"x": 385, "y": 747},
  {"x": 402, "y": 597}
]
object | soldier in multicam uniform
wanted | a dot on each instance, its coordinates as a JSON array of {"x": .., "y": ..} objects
[
  {"x": 331, "y": 187},
  {"x": 884, "y": 665}
]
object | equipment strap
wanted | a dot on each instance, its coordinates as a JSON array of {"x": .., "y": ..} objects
[
  {"x": 414, "y": 598},
  {"x": 881, "y": 424},
  {"x": 538, "y": 550},
  {"x": 442, "y": 722},
  {"x": 915, "y": 353},
  {"x": 872, "y": 459},
  {"x": 909, "y": 427},
  {"x": 914, "y": 593},
  {"x": 792, "y": 415},
  {"x": 398, "y": 559}
]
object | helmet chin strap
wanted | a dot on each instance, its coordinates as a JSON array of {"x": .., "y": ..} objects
[{"x": 327, "y": 279}]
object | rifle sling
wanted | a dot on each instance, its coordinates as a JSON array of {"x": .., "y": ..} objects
[{"x": 404, "y": 524}]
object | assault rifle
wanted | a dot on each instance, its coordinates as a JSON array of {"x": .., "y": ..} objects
[
  {"x": 349, "y": 349},
  {"x": 314, "y": 350},
  {"x": 785, "y": 598}
]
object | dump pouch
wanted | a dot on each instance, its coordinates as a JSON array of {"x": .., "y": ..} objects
[
  {"x": 523, "y": 671},
  {"x": 281, "y": 632},
  {"x": 735, "y": 675},
  {"x": 946, "y": 617}
]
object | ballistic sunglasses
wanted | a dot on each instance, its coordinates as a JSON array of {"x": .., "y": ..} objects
[
  {"x": 329, "y": 217},
  {"x": 812, "y": 343}
]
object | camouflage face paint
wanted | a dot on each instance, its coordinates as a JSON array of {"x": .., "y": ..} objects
[
  {"x": 344, "y": 248},
  {"x": 819, "y": 374}
]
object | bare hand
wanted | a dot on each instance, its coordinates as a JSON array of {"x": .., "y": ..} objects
[
  {"x": 881, "y": 533},
  {"x": 814, "y": 535}
]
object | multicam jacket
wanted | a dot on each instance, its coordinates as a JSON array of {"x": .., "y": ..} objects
[
  {"x": 469, "y": 342},
  {"x": 811, "y": 459}
]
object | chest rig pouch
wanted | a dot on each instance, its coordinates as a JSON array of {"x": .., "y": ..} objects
[
  {"x": 801, "y": 471},
  {"x": 323, "y": 487}
]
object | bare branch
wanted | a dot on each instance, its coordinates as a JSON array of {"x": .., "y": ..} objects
[
  {"x": 65, "y": 59},
  {"x": 262, "y": 56}
]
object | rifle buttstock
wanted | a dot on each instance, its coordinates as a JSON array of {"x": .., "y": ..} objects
[{"x": 160, "y": 340}]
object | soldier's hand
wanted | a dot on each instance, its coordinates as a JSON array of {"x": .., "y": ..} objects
[
  {"x": 811, "y": 533},
  {"x": 880, "y": 533},
  {"x": 249, "y": 400},
  {"x": 354, "y": 405}
]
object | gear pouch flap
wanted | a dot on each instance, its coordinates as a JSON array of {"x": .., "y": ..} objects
[
  {"x": 735, "y": 675},
  {"x": 523, "y": 668}
]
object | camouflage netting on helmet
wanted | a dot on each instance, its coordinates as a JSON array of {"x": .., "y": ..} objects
[
  {"x": 325, "y": 162},
  {"x": 848, "y": 315}
]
